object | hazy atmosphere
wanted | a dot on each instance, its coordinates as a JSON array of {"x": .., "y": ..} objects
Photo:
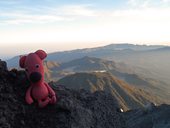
[
  {"x": 53, "y": 25},
  {"x": 84, "y": 64}
]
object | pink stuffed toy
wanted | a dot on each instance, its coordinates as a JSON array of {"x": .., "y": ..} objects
[{"x": 38, "y": 90}]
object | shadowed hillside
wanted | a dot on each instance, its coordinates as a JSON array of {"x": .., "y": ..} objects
[
  {"x": 132, "y": 75},
  {"x": 120, "y": 70},
  {"x": 127, "y": 96}
]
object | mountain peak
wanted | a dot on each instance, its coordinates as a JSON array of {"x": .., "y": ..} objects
[{"x": 128, "y": 46}]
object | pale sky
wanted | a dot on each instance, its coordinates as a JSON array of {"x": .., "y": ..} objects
[{"x": 57, "y": 25}]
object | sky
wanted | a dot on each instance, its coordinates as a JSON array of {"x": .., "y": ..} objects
[{"x": 57, "y": 25}]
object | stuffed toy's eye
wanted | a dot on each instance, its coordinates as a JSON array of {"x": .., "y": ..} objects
[
  {"x": 37, "y": 65},
  {"x": 26, "y": 70}
]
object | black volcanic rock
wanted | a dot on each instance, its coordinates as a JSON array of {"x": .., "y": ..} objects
[
  {"x": 3, "y": 65},
  {"x": 150, "y": 117},
  {"x": 75, "y": 109}
]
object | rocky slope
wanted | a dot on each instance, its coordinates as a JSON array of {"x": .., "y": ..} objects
[
  {"x": 75, "y": 109},
  {"x": 150, "y": 117}
]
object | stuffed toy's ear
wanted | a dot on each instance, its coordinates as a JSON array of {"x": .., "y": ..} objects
[
  {"x": 22, "y": 61},
  {"x": 42, "y": 54}
]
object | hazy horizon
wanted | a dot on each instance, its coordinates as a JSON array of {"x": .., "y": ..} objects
[
  {"x": 53, "y": 25},
  {"x": 24, "y": 50}
]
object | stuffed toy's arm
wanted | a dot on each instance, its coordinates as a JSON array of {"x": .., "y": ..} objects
[
  {"x": 28, "y": 97},
  {"x": 52, "y": 93}
]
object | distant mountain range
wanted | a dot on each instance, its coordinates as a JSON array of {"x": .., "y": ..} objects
[
  {"x": 127, "y": 96},
  {"x": 85, "y": 64},
  {"x": 147, "y": 61},
  {"x": 141, "y": 66},
  {"x": 114, "y": 50},
  {"x": 150, "y": 58}
]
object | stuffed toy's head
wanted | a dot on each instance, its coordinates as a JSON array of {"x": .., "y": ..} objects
[{"x": 33, "y": 65}]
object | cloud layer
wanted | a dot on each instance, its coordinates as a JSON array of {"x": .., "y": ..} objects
[
  {"x": 48, "y": 21},
  {"x": 18, "y": 12}
]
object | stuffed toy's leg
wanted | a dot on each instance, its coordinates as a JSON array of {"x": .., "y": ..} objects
[{"x": 43, "y": 103}]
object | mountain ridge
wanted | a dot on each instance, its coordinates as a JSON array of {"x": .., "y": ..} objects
[
  {"x": 149, "y": 58},
  {"x": 127, "y": 96},
  {"x": 113, "y": 46}
]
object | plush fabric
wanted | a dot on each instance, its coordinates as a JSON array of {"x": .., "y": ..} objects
[{"x": 39, "y": 90}]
